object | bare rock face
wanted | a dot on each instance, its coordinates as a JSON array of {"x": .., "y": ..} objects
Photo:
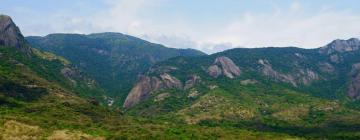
[
  {"x": 354, "y": 86},
  {"x": 214, "y": 71},
  {"x": 341, "y": 46},
  {"x": 139, "y": 92},
  {"x": 11, "y": 36},
  {"x": 302, "y": 77},
  {"x": 326, "y": 67},
  {"x": 224, "y": 66},
  {"x": 192, "y": 80},
  {"x": 161, "y": 97},
  {"x": 307, "y": 76},
  {"x": 68, "y": 72},
  {"x": 171, "y": 82},
  {"x": 146, "y": 85},
  {"x": 267, "y": 70}
]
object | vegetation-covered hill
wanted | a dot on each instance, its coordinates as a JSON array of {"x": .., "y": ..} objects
[
  {"x": 263, "y": 93},
  {"x": 113, "y": 59},
  {"x": 312, "y": 93},
  {"x": 44, "y": 96}
]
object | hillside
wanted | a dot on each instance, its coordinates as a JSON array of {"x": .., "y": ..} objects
[
  {"x": 113, "y": 59},
  {"x": 303, "y": 92},
  {"x": 44, "y": 96}
]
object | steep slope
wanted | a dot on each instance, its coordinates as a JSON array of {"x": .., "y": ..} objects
[
  {"x": 112, "y": 59},
  {"x": 305, "y": 92},
  {"x": 43, "y": 96},
  {"x": 10, "y": 35},
  {"x": 44, "y": 90}
]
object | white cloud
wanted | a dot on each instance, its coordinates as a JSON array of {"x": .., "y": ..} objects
[
  {"x": 282, "y": 27},
  {"x": 290, "y": 26}
]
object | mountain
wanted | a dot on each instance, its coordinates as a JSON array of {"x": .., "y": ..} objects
[
  {"x": 113, "y": 59},
  {"x": 242, "y": 93},
  {"x": 44, "y": 96},
  {"x": 303, "y": 92}
]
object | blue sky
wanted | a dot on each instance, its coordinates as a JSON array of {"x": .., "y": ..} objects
[{"x": 207, "y": 25}]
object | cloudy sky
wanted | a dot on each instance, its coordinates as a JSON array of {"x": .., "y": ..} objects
[{"x": 207, "y": 25}]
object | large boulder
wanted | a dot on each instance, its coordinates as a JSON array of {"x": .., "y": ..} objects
[{"x": 224, "y": 66}]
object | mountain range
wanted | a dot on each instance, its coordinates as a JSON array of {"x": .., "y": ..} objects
[{"x": 115, "y": 86}]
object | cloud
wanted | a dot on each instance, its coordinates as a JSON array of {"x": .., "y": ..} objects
[
  {"x": 292, "y": 25},
  {"x": 280, "y": 28},
  {"x": 283, "y": 29}
]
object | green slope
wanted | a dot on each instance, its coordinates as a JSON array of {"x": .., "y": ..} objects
[
  {"x": 113, "y": 59},
  {"x": 258, "y": 102}
]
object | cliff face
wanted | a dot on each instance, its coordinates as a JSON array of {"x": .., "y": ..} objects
[
  {"x": 11, "y": 36},
  {"x": 224, "y": 66},
  {"x": 147, "y": 85},
  {"x": 301, "y": 76},
  {"x": 341, "y": 46},
  {"x": 354, "y": 86}
]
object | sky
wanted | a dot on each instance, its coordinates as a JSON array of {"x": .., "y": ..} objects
[{"x": 207, "y": 25}]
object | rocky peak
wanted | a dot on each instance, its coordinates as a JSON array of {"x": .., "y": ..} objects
[
  {"x": 341, "y": 46},
  {"x": 224, "y": 66},
  {"x": 11, "y": 36}
]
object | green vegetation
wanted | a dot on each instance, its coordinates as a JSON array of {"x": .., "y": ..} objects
[
  {"x": 114, "y": 60},
  {"x": 287, "y": 93},
  {"x": 38, "y": 102}
]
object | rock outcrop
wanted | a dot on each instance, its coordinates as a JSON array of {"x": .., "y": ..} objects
[
  {"x": 354, "y": 86},
  {"x": 147, "y": 85},
  {"x": 170, "y": 82},
  {"x": 341, "y": 46},
  {"x": 300, "y": 77},
  {"x": 11, "y": 36},
  {"x": 192, "y": 80},
  {"x": 140, "y": 91},
  {"x": 224, "y": 66}
]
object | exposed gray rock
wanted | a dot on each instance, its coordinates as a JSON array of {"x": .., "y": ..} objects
[
  {"x": 307, "y": 76},
  {"x": 139, "y": 92},
  {"x": 214, "y": 71},
  {"x": 354, "y": 86},
  {"x": 192, "y": 80},
  {"x": 68, "y": 73},
  {"x": 341, "y": 46},
  {"x": 161, "y": 97},
  {"x": 193, "y": 94},
  {"x": 212, "y": 87},
  {"x": 248, "y": 82},
  {"x": 267, "y": 70},
  {"x": 171, "y": 82},
  {"x": 326, "y": 67},
  {"x": 11, "y": 36},
  {"x": 146, "y": 85},
  {"x": 301, "y": 77},
  {"x": 224, "y": 66}
]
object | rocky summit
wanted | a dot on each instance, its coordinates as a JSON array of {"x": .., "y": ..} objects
[{"x": 10, "y": 34}]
